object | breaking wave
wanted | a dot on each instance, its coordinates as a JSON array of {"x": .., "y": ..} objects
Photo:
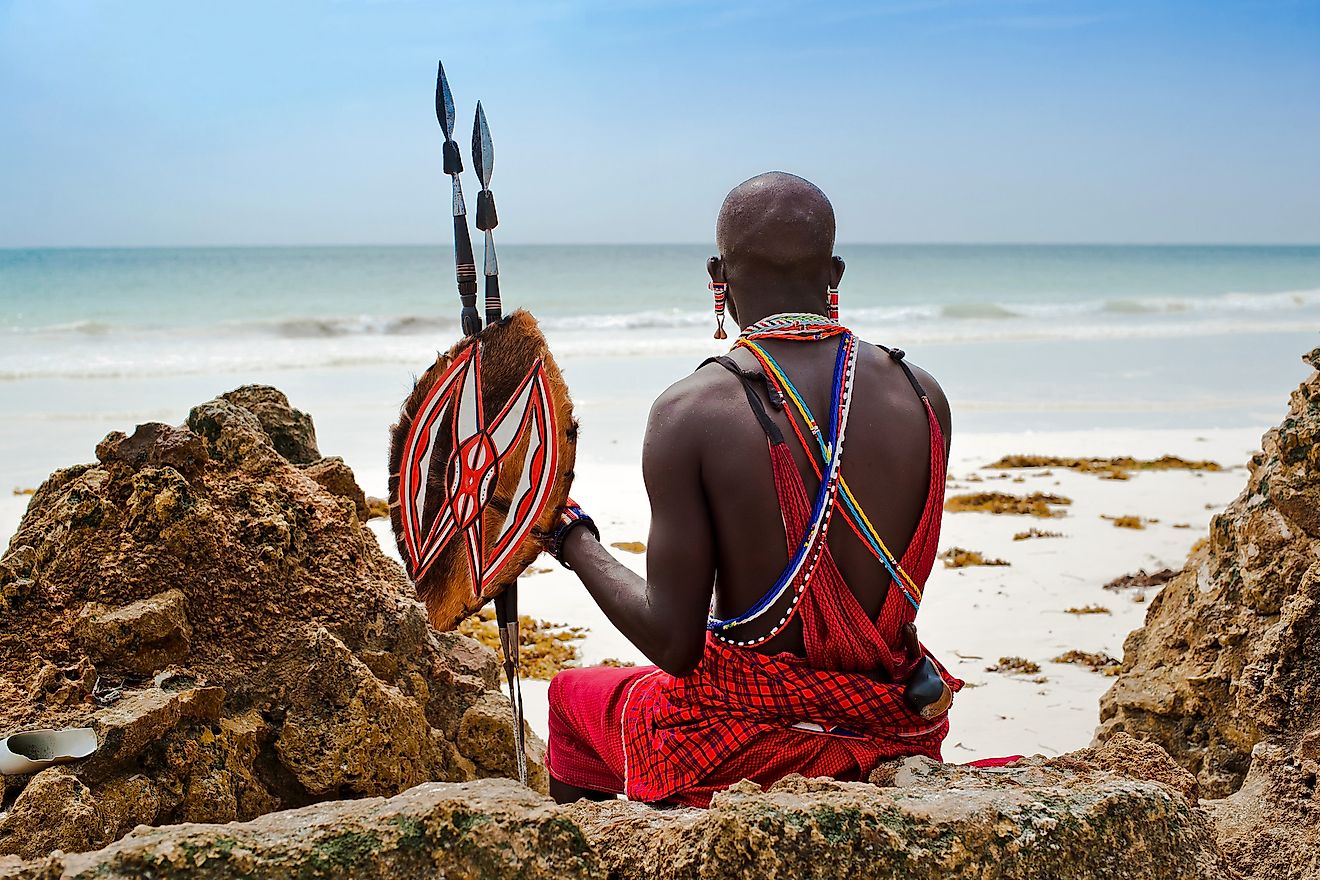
[{"x": 103, "y": 349}]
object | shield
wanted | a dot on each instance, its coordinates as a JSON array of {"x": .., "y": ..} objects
[{"x": 481, "y": 461}]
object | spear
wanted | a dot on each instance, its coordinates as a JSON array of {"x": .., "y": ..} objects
[
  {"x": 506, "y": 603},
  {"x": 483, "y": 159},
  {"x": 464, "y": 263}
]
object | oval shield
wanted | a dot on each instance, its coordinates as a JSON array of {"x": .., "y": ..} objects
[{"x": 481, "y": 460}]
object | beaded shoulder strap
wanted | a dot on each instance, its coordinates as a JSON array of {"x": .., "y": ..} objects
[
  {"x": 797, "y": 574},
  {"x": 853, "y": 513}
]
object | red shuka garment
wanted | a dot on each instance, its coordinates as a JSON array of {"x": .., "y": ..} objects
[{"x": 653, "y": 736}]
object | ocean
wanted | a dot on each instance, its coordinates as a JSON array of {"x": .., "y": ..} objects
[{"x": 1023, "y": 338}]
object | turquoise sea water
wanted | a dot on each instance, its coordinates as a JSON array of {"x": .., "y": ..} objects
[
  {"x": 938, "y": 292},
  {"x": 1021, "y": 337}
]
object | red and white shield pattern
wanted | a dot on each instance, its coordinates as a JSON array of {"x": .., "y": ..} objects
[{"x": 482, "y": 447}]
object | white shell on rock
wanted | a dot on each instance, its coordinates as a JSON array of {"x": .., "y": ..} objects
[{"x": 33, "y": 750}]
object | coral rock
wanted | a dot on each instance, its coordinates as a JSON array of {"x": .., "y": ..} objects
[
  {"x": 1270, "y": 827},
  {"x": 346, "y": 733},
  {"x": 290, "y": 430},
  {"x": 55, "y": 811},
  {"x": 1032, "y": 821},
  {"x": 142, "y": 637},
  {"x": 1230, "y": 652},
  {"x": 337, "y": 478},
  {"x": 486, "y": 732},
  {"x": 295, "y": 664},
  {"x": 472, "y": 830},
  {"x": 158, "y": 445}
]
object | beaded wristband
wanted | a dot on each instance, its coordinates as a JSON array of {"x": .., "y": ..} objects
[{"x": 570, "y": 518}]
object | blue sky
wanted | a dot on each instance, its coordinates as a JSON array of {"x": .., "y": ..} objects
[{"x": 159, "y": 123}]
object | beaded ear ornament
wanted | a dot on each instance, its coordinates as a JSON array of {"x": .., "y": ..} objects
[{"x": 720, "y": 289}]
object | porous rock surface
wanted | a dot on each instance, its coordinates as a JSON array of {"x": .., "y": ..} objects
[
  {"x": 232, "y": 631},
  {"x": 1035, "y": 821},
  {"x": 1225, "y": 674}
]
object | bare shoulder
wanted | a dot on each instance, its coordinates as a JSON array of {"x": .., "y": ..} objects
[
  {"x": 938, "y": 401},
  {"x": 694, "y": 399}
]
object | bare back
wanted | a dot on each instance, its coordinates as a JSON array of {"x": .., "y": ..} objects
[{"x": 886, "y": 463}]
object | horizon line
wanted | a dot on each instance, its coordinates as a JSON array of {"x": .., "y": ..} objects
[{"x": 596, "y": 244}]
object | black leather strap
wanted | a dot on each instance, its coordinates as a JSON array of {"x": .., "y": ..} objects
[
  {"x": 898, "y": 355},
  {"x": 767, "y": 424}
]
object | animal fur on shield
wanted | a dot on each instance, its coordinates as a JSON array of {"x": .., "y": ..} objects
[{"x": 481, "y": 461}]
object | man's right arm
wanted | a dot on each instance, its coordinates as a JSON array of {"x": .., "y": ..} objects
[{"x": 663, "y": 614}]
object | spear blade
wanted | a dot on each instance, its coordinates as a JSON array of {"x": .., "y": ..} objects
[
  {"x": 483, "y": 159},
  {"x": 483, "y": 153},
  {"x": 444, "y": 103},
  {"x": 464, "y": 265}
]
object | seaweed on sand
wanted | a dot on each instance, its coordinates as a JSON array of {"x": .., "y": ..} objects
[
  {"x": 1034, "y": 532},
  {"x": 1116, "y": 468},
  {"x": 957, "y": 557},
  {"x": 1095, "y": 661},
  {"x": 1038, "y": 504},
  {"x": 545, "y": 648},
  {"x": 1089, "y": 609}
]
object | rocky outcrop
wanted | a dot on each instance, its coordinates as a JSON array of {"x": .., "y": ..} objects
[
  {"x": 1037, "y": 820},
  {"x": 944, "y": 822},
  {"x": 1270, "y": 827},
  {"x": 1225, "y": 674},
  {"x": 141, "y": 637},
  {"x": 470, "y": 830},
  {"x": 207, "y": 598}
]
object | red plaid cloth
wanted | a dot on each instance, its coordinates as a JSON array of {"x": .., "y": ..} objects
[{"x": 654, "y": 737}]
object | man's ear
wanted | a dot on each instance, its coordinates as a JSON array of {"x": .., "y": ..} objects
[
  {"x": 836, "y": 271},
  {"x": 715, "y": 268}
]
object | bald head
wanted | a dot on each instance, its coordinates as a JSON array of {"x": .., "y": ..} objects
[
  {"x": 775, "y": 233},
  {"x": 776, "y": 220}
]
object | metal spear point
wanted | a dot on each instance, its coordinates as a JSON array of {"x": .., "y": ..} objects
[
  {"x": 464, "y": 264},
  {"x": 483, "y": 159}
]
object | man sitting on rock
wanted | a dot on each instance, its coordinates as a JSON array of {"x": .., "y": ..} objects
[{"x": 780, "y": 623}]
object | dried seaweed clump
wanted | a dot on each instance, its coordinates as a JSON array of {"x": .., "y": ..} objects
[
  {"x": 1034, "y": 532},
  {"x": 1089, "y": 609},
  {"x": 957, "y": 557},
  {"x": 1141, "y": 580},
  {"x": 1096, "y": 662},
  {"x": 1015, "y": 666},
  {"x": 629, "y": 546},
  {"x": 544, "y": 648},
  {"x": 1038, "y": 504},
  {"x": 1118, "y": 468},
  {"x": 1128, "y": 521}
]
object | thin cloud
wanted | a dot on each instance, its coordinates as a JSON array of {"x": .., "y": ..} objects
[{"x": 1026, "y": 23}]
